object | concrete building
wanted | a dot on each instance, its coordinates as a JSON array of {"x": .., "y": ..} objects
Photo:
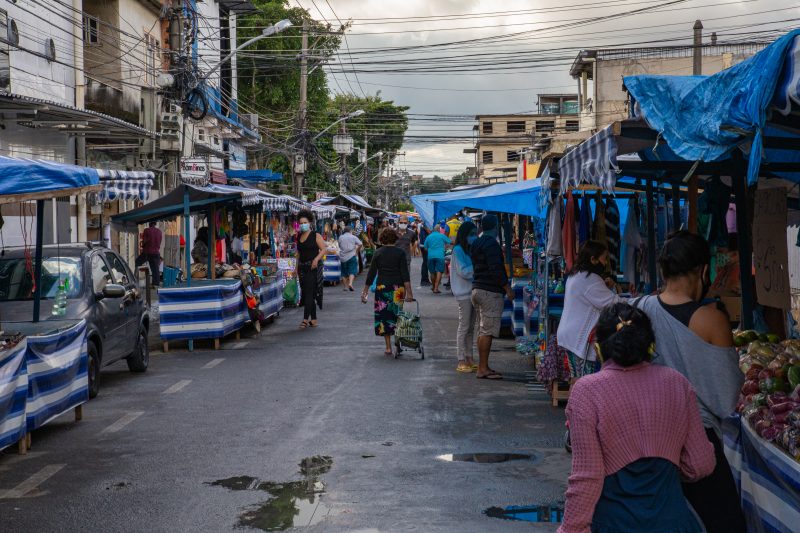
[
  {"x": 604, "y": 100},
  {"x": 502, "y": 140}
]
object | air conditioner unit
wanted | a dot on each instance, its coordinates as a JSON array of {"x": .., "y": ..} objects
[{"x": 250, "y": 120}]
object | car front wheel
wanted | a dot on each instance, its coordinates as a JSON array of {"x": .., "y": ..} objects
[
  {"x": 140, "y": 358},
  {"x": 93, "y": 370}
]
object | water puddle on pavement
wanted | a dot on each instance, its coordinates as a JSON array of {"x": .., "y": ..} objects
[
  {"x": 293, "y": 503},
  {"x": 485, "y": 457},
  {"x": 528, "y": 513}
]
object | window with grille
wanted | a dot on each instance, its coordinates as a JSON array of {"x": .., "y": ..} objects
[
  {"x": 545, "y": 125},
  {"x": 512, "y": 155},
  {"x": 487, "y": 127},
  {"x": 516, "y": 126},
  {"x": 573, "y": 125},
  {"x": 91, "y": 31},
  {"x": 488, "y": 156}
]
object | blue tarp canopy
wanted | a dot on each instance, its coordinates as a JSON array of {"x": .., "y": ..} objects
[
  {"x": 254, "y": 175},
  {"x": 705, "y": 118},
  {"x": 42, "y": 179},
  {"x": 522, "y": 198}
]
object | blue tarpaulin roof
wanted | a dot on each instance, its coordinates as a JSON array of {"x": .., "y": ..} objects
[
  {"x": 30, "y": 176},
  {"x": 704, "y": 118},
  {"x": 522, "y": 198}
]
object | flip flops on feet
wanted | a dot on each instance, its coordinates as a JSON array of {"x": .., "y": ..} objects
[{"x": 491, "y": 375}]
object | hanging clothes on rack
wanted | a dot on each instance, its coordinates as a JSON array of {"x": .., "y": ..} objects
[
  {"x": 714, "y": 204},
  {"x": 585, "y": 222},
  {"x": 568, "y": 239},
  {"x": 554, "y": 231},
  {"x": 612, "y": 234},
  {"x": 599, "y": 227},
  {"x": 633, "y": 241}
]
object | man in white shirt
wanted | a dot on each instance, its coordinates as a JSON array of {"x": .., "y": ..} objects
[{"x": 349, "y": 247}]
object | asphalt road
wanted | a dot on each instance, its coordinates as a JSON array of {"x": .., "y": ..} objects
[{"x": 214, "y": 440}]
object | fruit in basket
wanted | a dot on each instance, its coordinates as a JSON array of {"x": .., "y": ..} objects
[
  {"x": 789, "y": 440},
  {"x": 773, "y": 338},
  {"x": 750, "y": 387}
]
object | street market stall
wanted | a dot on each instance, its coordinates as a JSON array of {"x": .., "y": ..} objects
[
  {"x": 225, "y": 304},
  {"x": 736, "y": 135},
  {"x": 43, "y": 362}
]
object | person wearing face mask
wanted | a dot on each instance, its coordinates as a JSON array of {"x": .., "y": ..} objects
[
  {"x": 694, "y": 338},
  {"x": 310, "y": 251},
  {"x": 461, "y": 273},
  {"x": 585, "y": 295},
  {"x": 406, "y": 238}
]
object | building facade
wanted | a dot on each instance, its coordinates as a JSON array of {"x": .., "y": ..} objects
[
  {"x": 502, "y": 142},
  {"x": 604, "y": 100}
]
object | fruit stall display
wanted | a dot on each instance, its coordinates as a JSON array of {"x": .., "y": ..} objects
[{"x": 770, "y": 397}]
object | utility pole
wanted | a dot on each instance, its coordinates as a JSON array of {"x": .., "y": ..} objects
[
  {"x": 366, "y": 169},
  {"x": 303, "y": 118},
  {"x": 697, "y": 70}
]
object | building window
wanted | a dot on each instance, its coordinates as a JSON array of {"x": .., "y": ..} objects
[
  {"x": 512, "y": 155},
  {"x": 487, "y": 127},
  {"x": 201, "y": 135},
  {"x": 545, "y": 125},
  {"x": 573, "y": 125},
  {"x": 517, "y": 126},
  {"x": 91, "y": 32},
  {"x": 488, "y": 156},
  {"x": 151, "y": 59}
]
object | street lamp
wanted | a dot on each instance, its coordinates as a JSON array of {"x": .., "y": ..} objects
[
  {"x": 356, "y": 113},
  {"x": 266, "y": 32}
]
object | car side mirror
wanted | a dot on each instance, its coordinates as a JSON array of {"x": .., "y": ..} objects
[{"x": 113, "y": 290}]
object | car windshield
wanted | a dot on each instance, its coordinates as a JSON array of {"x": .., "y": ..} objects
[{"x": 16, "y": 277}]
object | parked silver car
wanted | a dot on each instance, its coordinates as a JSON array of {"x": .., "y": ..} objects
[{"x": 101, "y": 289}]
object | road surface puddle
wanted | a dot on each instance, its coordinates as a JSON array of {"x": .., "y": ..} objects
[
  {"x": 528, "y": 513},
  {"x": 292, "y": 504},
  {"x": 485, "y": 457}
]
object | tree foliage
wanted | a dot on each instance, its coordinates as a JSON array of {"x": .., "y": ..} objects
[{"x": 269, "y": 83}]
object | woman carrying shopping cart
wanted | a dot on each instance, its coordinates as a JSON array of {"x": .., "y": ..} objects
[{"x": 389, "y": 270}]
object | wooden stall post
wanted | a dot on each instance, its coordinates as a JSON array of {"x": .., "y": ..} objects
[
  {"x": 187, "y": 251},
  {"x": 37, "y": 265},
  {"x": 651, "y": 238},
  {"x": 739, "y": 178}
]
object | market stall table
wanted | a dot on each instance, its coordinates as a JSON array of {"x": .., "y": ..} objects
[
  {"x": 331, "y": 269},
  {"x": 208, "y": 309},
  {"x": 270, "y": 295},
  {"x": 768, "y": 479}
]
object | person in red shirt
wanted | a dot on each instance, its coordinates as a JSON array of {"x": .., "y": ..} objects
[{"x": 151, "y": 251}]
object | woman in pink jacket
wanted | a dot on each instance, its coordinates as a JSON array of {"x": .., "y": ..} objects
[{"x": 636, "y": 433}]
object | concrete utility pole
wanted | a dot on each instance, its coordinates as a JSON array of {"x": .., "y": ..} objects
[
  {"x": 80, "y": 140},
  {"x": 697, "y": 70},
  {"x": 303, "y": 118},
  {"x": 366, "y": 169}
]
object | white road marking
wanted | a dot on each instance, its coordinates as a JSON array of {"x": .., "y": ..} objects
[
  {"x": 122, "y": 422},
  {"x": 213, "y": 363},
  {"x": 178, "y": 386},
  {"x": 237, "y": 345},
  {"x": 32, "y": 482}
]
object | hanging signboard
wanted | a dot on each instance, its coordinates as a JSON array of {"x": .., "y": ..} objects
[
  {"x": 770, "y": 252},
  {"x": 194, "y": 170}
]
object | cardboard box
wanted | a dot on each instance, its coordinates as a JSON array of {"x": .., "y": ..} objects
[{"x": 733, "y": 304}]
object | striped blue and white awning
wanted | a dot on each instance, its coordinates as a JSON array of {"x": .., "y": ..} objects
[
  {"x": 594, "y": 161},
  {"x": 125, "y": 184}
]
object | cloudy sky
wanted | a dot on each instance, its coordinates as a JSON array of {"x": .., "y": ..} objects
[{"x": 530, "y": 47}]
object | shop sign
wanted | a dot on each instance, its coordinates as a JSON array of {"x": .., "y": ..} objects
[
  {"x": 770, "y": 251},
  {"x": 194, "y": 170}
]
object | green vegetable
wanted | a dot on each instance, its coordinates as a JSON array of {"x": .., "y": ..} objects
[
  {"x": 771, "y": 337},
  {"x": 759, "y": 399},
  {"x": 773, "y": 384},
  {"x": 793, "y": 375}
]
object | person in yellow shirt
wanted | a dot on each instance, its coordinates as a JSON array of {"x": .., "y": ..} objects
[{"x": 452, "y": 227}]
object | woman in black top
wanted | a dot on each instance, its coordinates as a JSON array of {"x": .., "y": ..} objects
[
  {"x": 310, "y": 251},
  {"x": 392, "y": 287}
]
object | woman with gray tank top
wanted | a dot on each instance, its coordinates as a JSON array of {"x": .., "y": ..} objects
[{"x": 694, "y": 337}]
